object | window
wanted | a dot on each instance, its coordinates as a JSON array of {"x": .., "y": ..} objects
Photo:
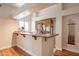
[
  {"x": 26, "y": 26},
  {"x": 23, "y": 25}
]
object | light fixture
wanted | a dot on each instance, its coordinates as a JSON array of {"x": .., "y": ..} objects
[{"x": 22, "y": 15}]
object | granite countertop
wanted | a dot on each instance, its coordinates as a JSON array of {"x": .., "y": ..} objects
[{"x": 36, "y": 34}]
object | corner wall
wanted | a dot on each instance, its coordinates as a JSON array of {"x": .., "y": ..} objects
[{"x": 7, "y": 27}]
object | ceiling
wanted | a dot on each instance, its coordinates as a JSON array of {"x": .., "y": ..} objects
[{"x": 11, "y": 9}]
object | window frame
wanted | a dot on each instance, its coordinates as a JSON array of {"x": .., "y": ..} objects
[{"x": 23, "y": 25}]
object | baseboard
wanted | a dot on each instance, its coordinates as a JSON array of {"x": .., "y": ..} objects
[
  {"x": 54, "y": 50},
  {"x": 5, "y": 47},
  {"x": 26, "y": 51},
  {"x": 58, "y": 49},
  {"x": 72, "y": 50}
]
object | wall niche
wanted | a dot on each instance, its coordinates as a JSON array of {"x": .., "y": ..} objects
[{"x": 71, "y": 32}]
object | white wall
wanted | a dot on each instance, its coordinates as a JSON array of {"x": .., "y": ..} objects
[
  {"x": 37, "y": 47},
  {"x": 7, "y": 27},
  {"x": 30, "y": 45},
  {"x": 48, "y": 46},
  {"x": 55, "y": 11},
  {"x": 75, "y": 19},
  {"x": 70, "y": 11},
  {"x": 51, "y": 12}
]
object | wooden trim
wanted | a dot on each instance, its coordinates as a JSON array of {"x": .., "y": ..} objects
[{"x": 21, "y": 51}]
